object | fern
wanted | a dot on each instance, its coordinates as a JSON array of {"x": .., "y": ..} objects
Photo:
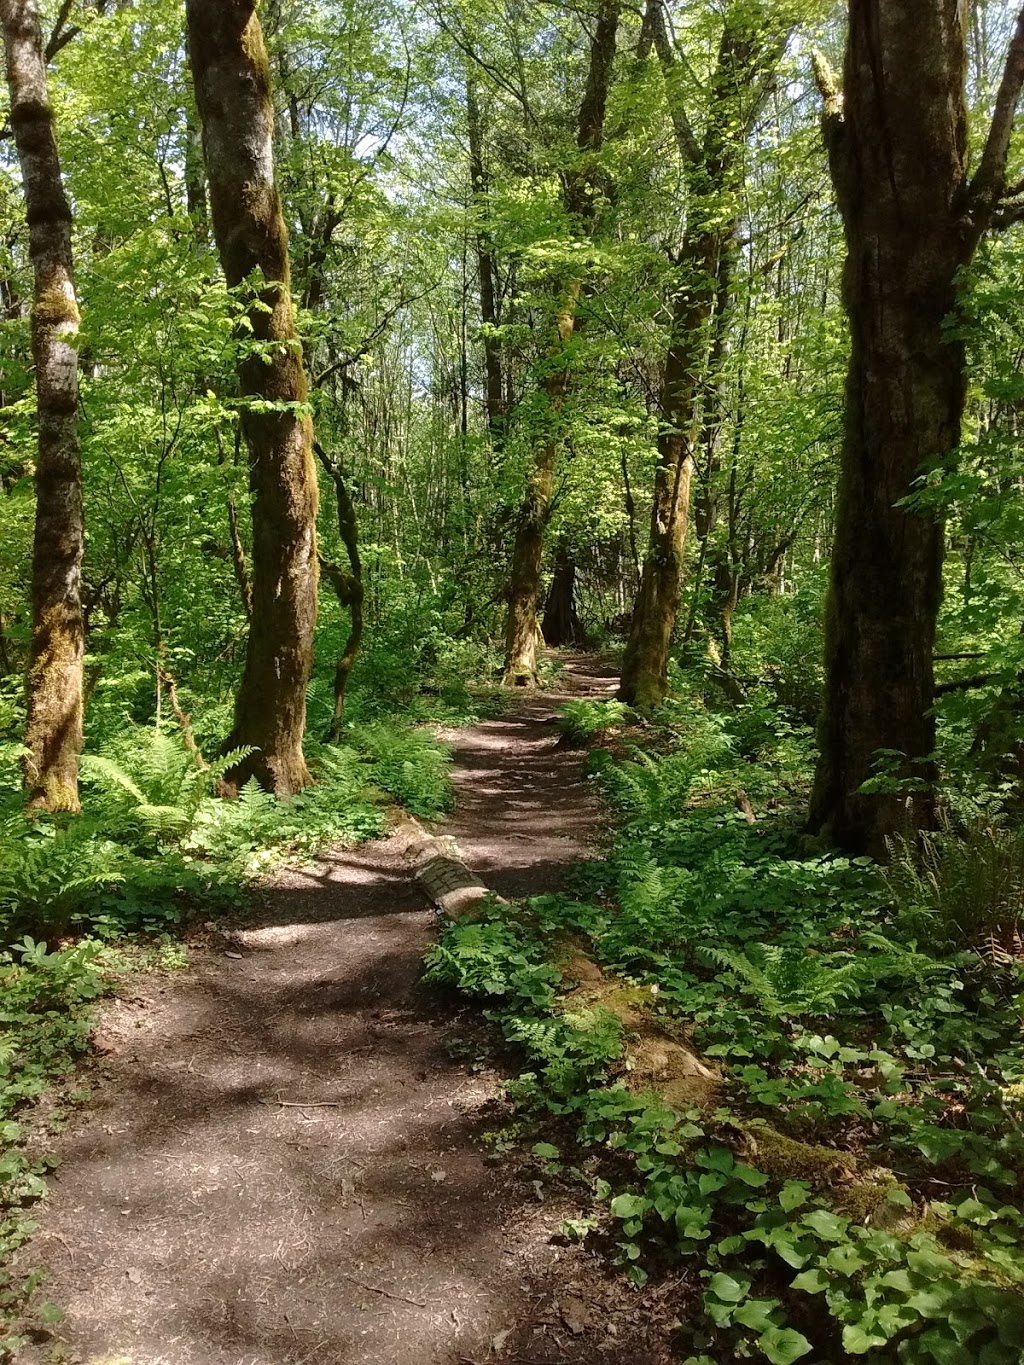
[
  {"x": 582, "y": 719},
  {"x": 49, "y": 876},
  {"x": 150, "y": 784},
  {"x": 968, "y": 887},
  {"x": 786, "y": 981}
]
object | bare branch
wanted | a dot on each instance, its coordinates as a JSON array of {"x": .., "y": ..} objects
[
  {"x": 364, "y": 347},
  {"x": 62, "y": 33}
]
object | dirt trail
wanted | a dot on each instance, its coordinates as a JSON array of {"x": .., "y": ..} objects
[{"x": 281, "y": 1162}]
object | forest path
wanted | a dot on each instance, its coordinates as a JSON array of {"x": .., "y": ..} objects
[{"x": 281, "y": 1163}]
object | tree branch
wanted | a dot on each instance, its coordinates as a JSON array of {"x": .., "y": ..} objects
[
  {"x": 689, "y": 148},
  {"x": 988, "y": 185},
  {"x": 966, "y": 684},
  {"x": 833, "y": 122},
  {"x": 828, "y": 88},
  {"x": 366, "y": 345}
]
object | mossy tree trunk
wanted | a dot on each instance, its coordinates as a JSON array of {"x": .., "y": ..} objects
[
  {"x": 53, "y": 736},
  {"x": 580, "y": 197},
  {"x": 898, "y": 151},
  {"x": 748, "y": 51},
  {"x": 232, "y": 85},
  {"x": 521, "y": 628}
]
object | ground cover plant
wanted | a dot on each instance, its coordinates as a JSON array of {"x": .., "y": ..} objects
[{"x": 849, "y": 1185}]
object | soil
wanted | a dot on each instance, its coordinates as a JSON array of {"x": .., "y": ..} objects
[{"x": 282, "y": 1160}]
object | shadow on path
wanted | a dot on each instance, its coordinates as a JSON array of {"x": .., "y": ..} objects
[{"x": 281, "y": 1164}]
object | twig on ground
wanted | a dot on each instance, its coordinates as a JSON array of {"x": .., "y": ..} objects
[
  {"x": 306, "y": 1104},
  {"x": 386, "y": 1292}
]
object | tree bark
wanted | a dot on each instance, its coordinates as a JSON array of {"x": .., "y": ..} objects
[
  {"x": 54, "y": 732},
  {"x": 578, "y": 193},
  {"x": 348, "y": 587},
  {"x": 494, "y": 387},
  {"x": 232, "y": 83},
  {"x": 898, "y": 154},
  {"x": 747, "y": 53},
  {"x": 562, "y": 624}
]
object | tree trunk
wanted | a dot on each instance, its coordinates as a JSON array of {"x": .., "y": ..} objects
[
  {"x": 232, "y": 84},
  {"x": 494, "y": 389},
  {"x": 747, "y": 52},
  {"x": 347, "y": 586},
  {"x": 521, "y": 630},
  {"x": 54, "y": 733},
  {"x": 579, "y": 194},
  {"x": 898, "y": 152},
  {"x": 645, "y": 663},
  {"x": 562, "y": 625}
]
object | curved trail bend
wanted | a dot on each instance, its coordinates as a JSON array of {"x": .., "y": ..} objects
[{"x": 281, "y": 1164}]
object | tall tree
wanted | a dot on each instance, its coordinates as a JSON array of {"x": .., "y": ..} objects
[
  {"x": 579, "y": 196},
  {"x": 494, "y": 388},
  {"x": 913, "y": 217},
  {"x": 748, "y": 51},
  {"x": 54, "y": 733},
  {"x": 233, "y": 95}
]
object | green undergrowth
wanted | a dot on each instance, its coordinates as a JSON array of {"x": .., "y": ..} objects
[
  {"x": 852, "y": 1188},
  {"x": 154, "y": 839},
  {"x": 46, "y": 1007}
]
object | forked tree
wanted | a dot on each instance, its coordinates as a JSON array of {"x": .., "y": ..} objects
[
  {"x": 749, "y": 50},
  {"x": 233, "y": 95},
  {"x": 913, "y": 216},
  {"x": 53, "y": 738},
  {"x": 579, "y": 194}
]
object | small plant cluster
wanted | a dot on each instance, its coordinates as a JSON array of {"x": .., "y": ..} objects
[
  {"x": 585, "y": 719},
  {"x": 852, "y": 1188}
]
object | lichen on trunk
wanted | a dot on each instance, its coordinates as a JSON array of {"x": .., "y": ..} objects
[
  {"x": 232, "y": 85},
  {"x": 53, "y": 737}
]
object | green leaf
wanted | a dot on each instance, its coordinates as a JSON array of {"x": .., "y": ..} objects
[
  {"x": 793, "y": 1194},
  {"x": 857, "y": 1341},
  {"x": 546, "y": 1150},
  {"x": 754, "y": 1178},
  {"x": 728, "y": 1288},
  {"x": 847, "y": 1258},
  {"x": 628, "y": 1206},
  {"x": 783, "y": 1345},
  {"x": 717, "y": 1159},
  {"x": 812, "y": 1282},
  {"x": 898, "y": 1279},
  {"x": 756, "y": 1314},
  {"x": 829, "y": 1226}
]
